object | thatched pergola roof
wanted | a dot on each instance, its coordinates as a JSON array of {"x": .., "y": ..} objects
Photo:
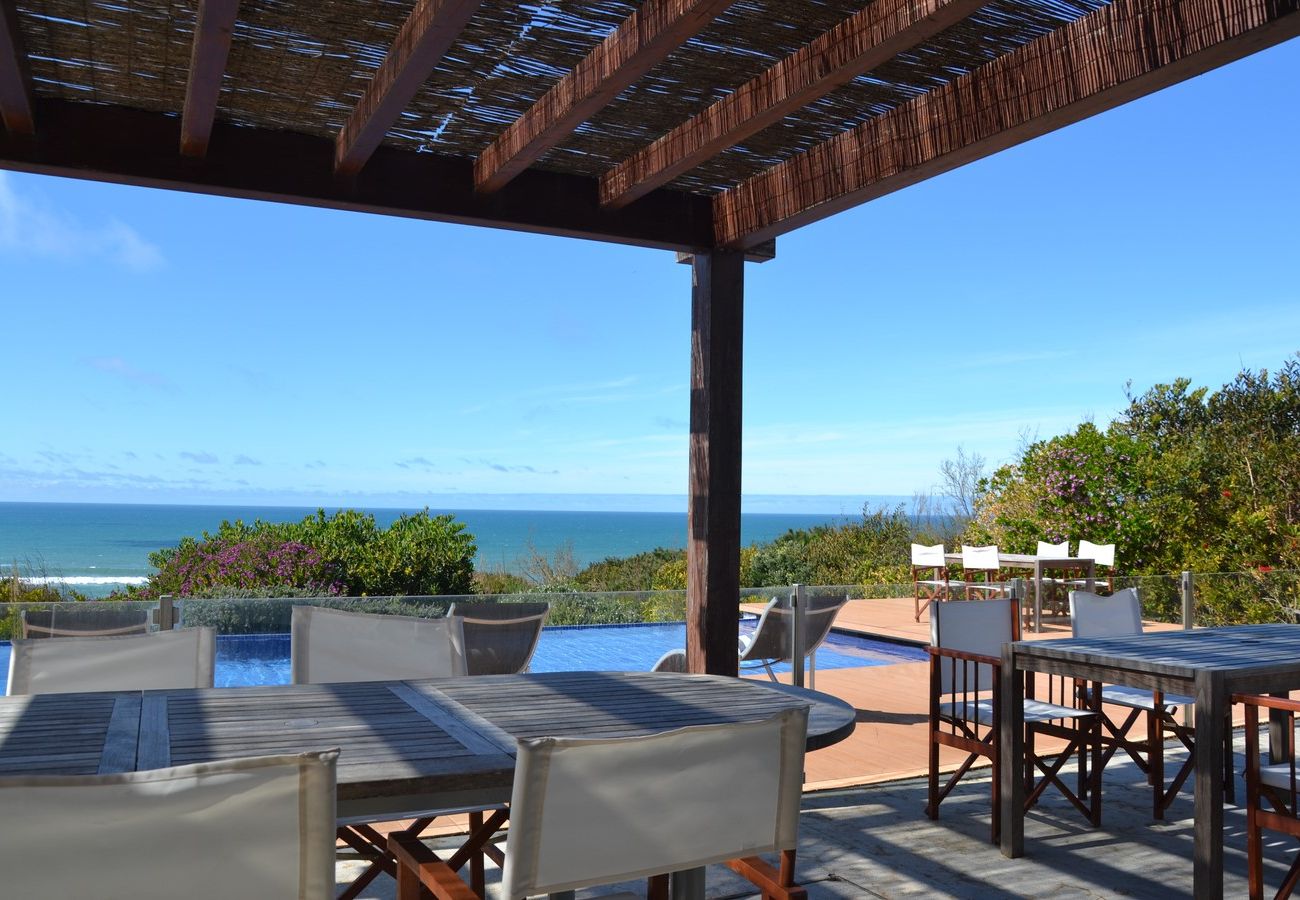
[{"x": 674, "y": 123}]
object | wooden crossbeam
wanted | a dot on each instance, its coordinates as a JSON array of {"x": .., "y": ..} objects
[
  {"x": 644, "y": 39},
  {"x": 212, "y": 32},
  {"x": 1115, "y": 54},
  {"x": 424, "y": 38},
  {"x": 860, "y": 43},
  {"x": 15, "y": 75},
  {"x": 129, "y": 146}
]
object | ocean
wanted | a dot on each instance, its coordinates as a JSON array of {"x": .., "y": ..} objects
[{"x": 97, "y": 547}]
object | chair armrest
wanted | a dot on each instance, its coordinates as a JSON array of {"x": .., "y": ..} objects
[
  {"x": 1281, "y": 703},
  {"x": 417, "y": 862},
  {"x": 994, "y": 661}
]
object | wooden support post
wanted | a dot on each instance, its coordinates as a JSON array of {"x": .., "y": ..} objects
[{"x": 713, "y": 514}]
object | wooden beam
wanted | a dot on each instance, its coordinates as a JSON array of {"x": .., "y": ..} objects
[
  {"x": 129, "y": 146},
  {"x": 212, "y": 32},
  {"x": 644, "y": 39},
  {"x": 713, "y": 511},
  {"x": 423, "y": 40},
  {"x": 15, "y": 75},
  {"x": 860, "y": 43},
  {"x": 1115, "y": 54}
]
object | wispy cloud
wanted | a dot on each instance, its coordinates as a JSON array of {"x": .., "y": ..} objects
[
  {"x": 202, "y": 457},
  {"x": 315, "y": 464},
  {"x": 31, "y": 227},
  {"x": 502, "y": 467},
  {"x": 120, "y": 368},
  {"x": 415, "y": 462},
  {"x": 242, "y": 460}
]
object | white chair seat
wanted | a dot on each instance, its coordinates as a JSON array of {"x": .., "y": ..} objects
[
  {"x": 1278, "y": 776},
  {"x": 1139, "y": 698},
  {"x": 1035, "y": 711}
]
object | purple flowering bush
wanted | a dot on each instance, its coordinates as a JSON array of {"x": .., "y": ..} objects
[{"x": 258, "y": 562}]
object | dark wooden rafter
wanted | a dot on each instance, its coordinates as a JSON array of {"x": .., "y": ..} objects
[
  {"x": 424, "y": 38},
  {"x": 860, "y": 43},
  {"x": 643, "y": 40},
  {"x": 129, "y": 146},
  {"x": 15, "y": 76},
  {"x": 213, "y": 29},
  {"x": 1118, "y": 53}
]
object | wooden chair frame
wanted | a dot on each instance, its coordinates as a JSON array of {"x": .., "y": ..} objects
[
  {"x": 377, "y": 850},
  {"x": 935, "y": 589},
  {"x": 1284, "y": 815}
]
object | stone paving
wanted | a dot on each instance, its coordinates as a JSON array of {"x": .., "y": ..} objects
[{"x": 875, "y": 842}]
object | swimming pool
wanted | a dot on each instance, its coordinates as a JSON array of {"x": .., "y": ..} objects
[{"x": 254, "y": 659}]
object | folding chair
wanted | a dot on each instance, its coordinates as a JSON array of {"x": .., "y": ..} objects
[
  {"x": 500, "y": 638},
  {"x": 255, "y": 827},
  {"x": 982, "y": 563},
  {"x": 156, "y": 661},
  {"x": 1103, "y": 562},
  {"x": 932, "y": 561},
  {"x": 601, "y": 811},
  {"x": 331, "y": 646},
  {"x": 84, "y": 620},
  {"x": 965, "y": 699},
  {"x": 1117, "y": 615},
  {"x": 771, "y": 643},
  {"x": 1053, "y": 600},
  {"x": 1274, "y": 785}
]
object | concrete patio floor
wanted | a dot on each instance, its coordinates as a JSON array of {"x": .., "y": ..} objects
[{"x": 875, "y": 842}]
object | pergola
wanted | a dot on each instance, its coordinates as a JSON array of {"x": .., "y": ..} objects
[{"x": 709, "y": 127}]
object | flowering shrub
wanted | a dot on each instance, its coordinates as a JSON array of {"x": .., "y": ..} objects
[{"x": 260, "y": 561}]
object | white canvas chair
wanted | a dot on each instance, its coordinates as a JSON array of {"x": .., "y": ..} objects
[
  {"x": 770, "y": 643},
  {"x": 1103, "y": 560},
  {"x": 254, "y": 827},
  {"x": 1053, "y": 600},
  {"x": 500, "y": 638},
  {"x": 981, "y": 569},
  {"x": 965, "y": 657},
  {"x": 84, "y": 620},
  {"x": 930, "y": 560},
  {"x": 330, "y": 645},
  {"x": 158, "y": 661},
  {"x": 1118, "y": 615},
  {"x": 593, "y": 812}
]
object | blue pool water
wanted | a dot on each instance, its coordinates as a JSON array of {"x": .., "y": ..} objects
[{"x": 244, "y": 660}]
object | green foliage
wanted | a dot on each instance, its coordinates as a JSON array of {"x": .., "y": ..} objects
[
  {"x": 871, "y": 551},
  {"x": 632, "y": 573},
  {"x": 344, "y": 553}
]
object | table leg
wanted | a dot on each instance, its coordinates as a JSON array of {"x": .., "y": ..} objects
[
  {"x": 1010, "y": 701},
  {"x": 688, "y": 884},
  {"x": 1038, "y": 595},
  {"x": 1278, "y": 745},
  {"x": 1211, "y": 715}
]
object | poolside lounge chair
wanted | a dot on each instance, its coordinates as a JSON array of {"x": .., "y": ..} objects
[
  {"x": 84, "y": 620},
  {"x": 1271, "y": 790},
  {"x": 965, "y": 658},
  {"x": 981, "y": 569},
  {"x": 331, "y": 646},
  {"x": 261, "y": 826},
  {"x": 500, "y": 638},
  {"x": 601, "y": 811},
  {"x": 932, "y": 561},
  {"x": 672, "y": 661},
  {"x": 1116, "y": 615},
  {"x": 163, "y": 659},
  {"x": 770, "y": 642}
]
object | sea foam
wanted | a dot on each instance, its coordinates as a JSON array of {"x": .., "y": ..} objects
[{"x": 88, "y": 579}]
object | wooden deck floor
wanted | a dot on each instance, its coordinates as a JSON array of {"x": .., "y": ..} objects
[{"x": 890, "y": 740}]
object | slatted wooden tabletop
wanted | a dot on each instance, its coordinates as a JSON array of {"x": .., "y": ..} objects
[{"x": 406, "y": 745}]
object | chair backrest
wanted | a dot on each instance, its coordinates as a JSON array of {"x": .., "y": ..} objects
[
  {"x": 672, "y": 661},
  {"x": 330, "y": 645},
  {"x": 589, "y": 812},
  {"x": 157, "y": 661},
  {"x": 84, "y": 620},
  {"x": 500, "y": 638},
  {"x": 1100, "y": 554},
  {"x": 254, "y": 827},
  {"x": 973, "y": 627},
  {"x": 771, "y": 639},
  {"x": 928, "y": 557},
  {"x": 1053, "y": 551},
  {"x": 1095, "y": 616},
  {"x": 985, "y": 558}
]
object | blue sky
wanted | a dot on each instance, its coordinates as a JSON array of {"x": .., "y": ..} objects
[{"x": 163, "y": 347}]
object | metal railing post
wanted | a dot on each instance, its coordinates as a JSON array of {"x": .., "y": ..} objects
[
  {"x": 797, "y": 634},
  {"x": 1017, "y": 585},
  {"x": 1189, "y": 601}
]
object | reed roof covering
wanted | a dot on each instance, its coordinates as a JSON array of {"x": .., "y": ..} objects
[
  {"x": 301, "y": 65},
  {"x": 689, "y": 124}
]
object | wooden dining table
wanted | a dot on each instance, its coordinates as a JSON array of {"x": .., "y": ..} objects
[
  {"x": 1040, "y": 566},
  {"x": 406, "y": 745}
]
